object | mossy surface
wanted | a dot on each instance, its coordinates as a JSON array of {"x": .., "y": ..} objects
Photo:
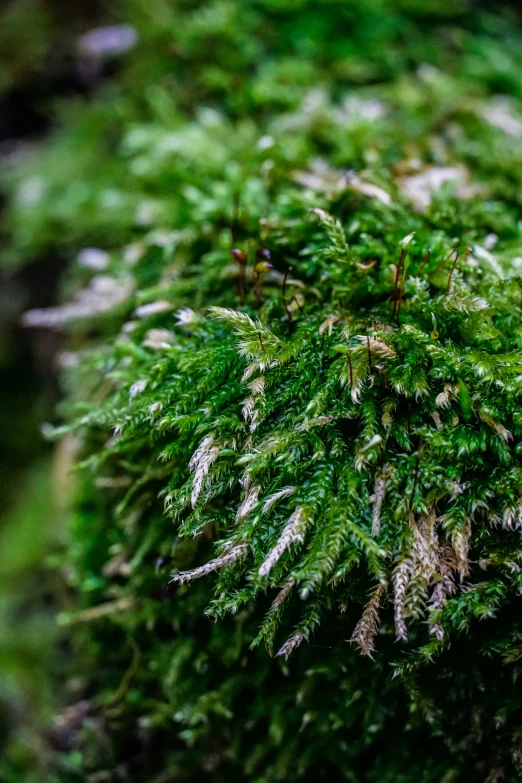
[{"x": 294, "y": 370}]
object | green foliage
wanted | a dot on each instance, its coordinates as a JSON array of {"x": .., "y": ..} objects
[
  {"x": 324, "y": 427},
  {"x": 330, "y": 436}
]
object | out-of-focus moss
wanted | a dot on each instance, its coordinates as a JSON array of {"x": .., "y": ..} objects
[{"x": 29, "y": 591}]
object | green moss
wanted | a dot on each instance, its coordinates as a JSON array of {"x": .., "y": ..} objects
[{"x": 342, "y": 427}]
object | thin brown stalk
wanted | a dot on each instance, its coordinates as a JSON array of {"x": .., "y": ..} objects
[
  {"x": 425, "y": 262},
  {"x": 400, "y": 296},
  {"x": 443, "y": 264},
  {"x": 452, "y": 270},
  {"x": 397, "y": 273},
  {"x": 350, "y": 369}
]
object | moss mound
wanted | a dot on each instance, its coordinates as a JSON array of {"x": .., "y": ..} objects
[{"x": 293, "y": 378}]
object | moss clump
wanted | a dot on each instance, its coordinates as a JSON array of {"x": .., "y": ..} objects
[{"x": 296, "y": 374}]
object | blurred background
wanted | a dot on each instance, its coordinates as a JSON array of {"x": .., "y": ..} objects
[{"x": 44, "y": 62}]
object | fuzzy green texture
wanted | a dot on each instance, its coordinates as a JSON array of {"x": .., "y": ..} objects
[{"x": 327, "y": 435}]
